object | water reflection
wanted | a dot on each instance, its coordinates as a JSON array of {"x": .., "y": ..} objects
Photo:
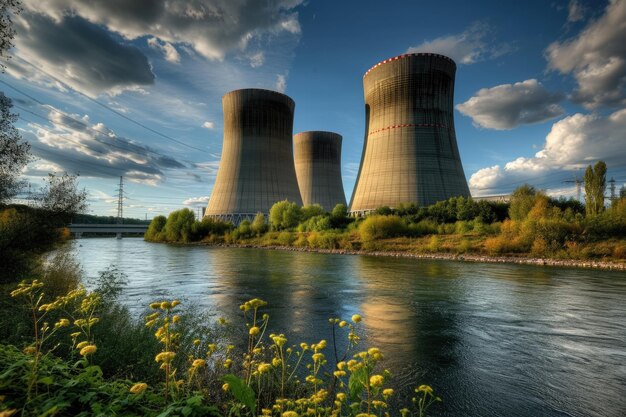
[{"x": 493, "y": 339}]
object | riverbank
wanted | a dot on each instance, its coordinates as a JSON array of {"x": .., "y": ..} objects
[{"x": 568, "y": 263}]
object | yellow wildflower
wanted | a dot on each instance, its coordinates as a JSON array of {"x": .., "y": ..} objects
[
  {"x": 304, "y": 346},
  {"x": 138, "y": 388},
  {"x": 225, "y": 387},
  {"x": 376, "y": 380},
  {"x": 318, "y": 357},
  {"x": 264, "y": 367},
  {"x": 341, "y": 365},
  {"x": 424, "y": 388},
  {"x": 228, "y": 363},
  {"x": 339, "y": 374},
  {"x": 343, "y": 323},
  {"x": 165, "y": 305},
  {"x": 82, "y": 344},
  {"x": 88, "y": 350},
  {"x": 198, "y": 363},
  {"x": 212, "y": 347},
  {"x": 387, "y": 392},
  {"x": 341, "y": 396},
  {"x": 290, "y": 414},
  {"x": 356, "y": 318},
  {"x": 196, "y": 342},
  {"x": 176, "y": 319},
  {"x": 154, "y": 306},
  {"x": 266, "y": 412},
  {"x": 164, "y": 357},
  {"x": 63, "y": 323},
  {"x": 276, "y": 362},
  {"x": 30, "y": 350},
  {"x": 175, "y": 303},
  {"x": 254, "y": 331}
]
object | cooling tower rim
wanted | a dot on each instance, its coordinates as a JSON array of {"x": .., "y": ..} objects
[
  {"x": 309, "y": 132},
  {"x": 265, "y": 90},
  {"x": 395, "y": 58}
]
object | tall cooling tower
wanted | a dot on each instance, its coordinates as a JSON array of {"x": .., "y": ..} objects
[
  {"x": 256, "y": 169},
  {"x": 410, "y": 154},
  {"x": 318, "y": 167}
]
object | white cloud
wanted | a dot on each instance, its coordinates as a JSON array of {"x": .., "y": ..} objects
[
  {"x": 281, "y": 83},
  {"x": 472, "y": 45},
  {"x": 208, "y": 125},
  {"x": 169, "y": 52},
  {"x": 211, "y": 27},
  {"x": 196, "y": 201},
  {"x": 75, "y": 144},
  {"x": 573, "y": 143},
  {"x": 256, "y": 59},
  {"x": 507, "y": 106},
  {"x": 596, "y": 58},
  {"x": 575, "y": 11}
]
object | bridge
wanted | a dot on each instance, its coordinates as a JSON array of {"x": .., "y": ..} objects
[{"x": 78, "y": 229}]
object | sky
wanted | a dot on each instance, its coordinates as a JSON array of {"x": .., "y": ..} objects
[{"x": 132, "y": 88}]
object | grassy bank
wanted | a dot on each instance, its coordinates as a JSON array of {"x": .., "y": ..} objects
[{"x": 533, "y": 226}]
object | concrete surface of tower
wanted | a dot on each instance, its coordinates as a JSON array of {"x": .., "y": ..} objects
[
  {"x": 256, "y": 168},
  {"x": 410, "y": 154},
  {"x": 317, "y": 157}
]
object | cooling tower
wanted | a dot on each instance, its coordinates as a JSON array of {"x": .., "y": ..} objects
[
  {"x": 410, "y": 154},
  {"x": 256, "y": 169},
  {"x": 318, "y": 168}
]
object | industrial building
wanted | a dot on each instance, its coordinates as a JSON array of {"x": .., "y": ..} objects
[
  {"x": 317, "y": 158},
  {"x": 256, "y": 168},
  {"x": 410, "y": 153}
]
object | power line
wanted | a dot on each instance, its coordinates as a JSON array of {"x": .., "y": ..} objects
[{"x": 140, "y": 124}]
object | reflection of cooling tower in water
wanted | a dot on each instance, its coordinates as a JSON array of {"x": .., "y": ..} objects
[
  {"x": 318, "y": 167},
  {"x": 256, "y": 169},
  {"x": 410, "y": 154}
]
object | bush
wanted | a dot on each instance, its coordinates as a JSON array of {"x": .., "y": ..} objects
[
  {"x": 380, "y": 227},
  {"x": 259, "y": 226},
  {"x": 311, "y": 211},
  {"x": 284, "y": 215},
  {"x": 424, "y": 227},
  {"x": 285, "y": 238}
]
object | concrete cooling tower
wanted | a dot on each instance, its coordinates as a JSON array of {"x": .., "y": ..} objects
[
  {"x": 318, "y": 167},
  {"x": 410, "y": 154},
  {"x": 256, "y": 169}
]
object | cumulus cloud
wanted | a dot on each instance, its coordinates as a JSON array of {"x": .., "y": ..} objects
[
  {"x": 208, "y": 125},
  {"x": 507, "y": 106},
  {"x": 596, "y": 58},
  {"x": 196, "y": 201},
  {"x": 573, "y": 143},
  {"x": 75, "y": 144},
  {"x": 473, "y": 45},
  {"x": 81, "y": 54},
  {"x": 211, "y": 27},
  {"x": 169, "y": 52}
]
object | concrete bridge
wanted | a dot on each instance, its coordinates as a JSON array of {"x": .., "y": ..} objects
[{"x": 78, "y": 229}]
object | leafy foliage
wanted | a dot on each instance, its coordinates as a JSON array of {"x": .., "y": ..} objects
[{"x": 14, "y": 152}]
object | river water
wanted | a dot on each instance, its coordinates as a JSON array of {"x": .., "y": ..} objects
[{"x": 492, "y": 339}]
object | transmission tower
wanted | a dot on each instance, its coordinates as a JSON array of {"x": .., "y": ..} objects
[
  {"x": 613, "y": 196},
  {"x": 579, "y": 184},
  {"x": 120, "y": 202}
]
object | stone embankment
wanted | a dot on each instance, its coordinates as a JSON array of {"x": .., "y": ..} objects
[{"x": 570, "y": 263}]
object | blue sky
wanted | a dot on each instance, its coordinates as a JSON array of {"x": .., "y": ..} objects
[{"x": 108, "y": 88}]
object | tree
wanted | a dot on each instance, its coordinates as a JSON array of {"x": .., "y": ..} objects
[
  {"x": 62, "y": 198},
  {"x": 595, "y": 184},
  {"x": 7, "y": 32},
  {"x": 522, "y": 201},
  {"x": 259, "y": 226},
  {"x": 14, "y": 152}
]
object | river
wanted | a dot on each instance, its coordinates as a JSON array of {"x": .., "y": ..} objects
[{"x": 492, "y": 339}]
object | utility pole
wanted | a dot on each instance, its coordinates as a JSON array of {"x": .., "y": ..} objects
[{"x": 120, "y": 205}]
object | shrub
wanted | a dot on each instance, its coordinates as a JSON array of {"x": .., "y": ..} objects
[
  {"x": 285, "y": 238},
  {"x": 259, "y": 225},
  {"x": 311, "y": 211},
  {"x": 424, "y": 227},
  {"x": 433, "y": 244},
  {"x": 380, "y": 227},
  {"x": 284, "y": 215}
]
